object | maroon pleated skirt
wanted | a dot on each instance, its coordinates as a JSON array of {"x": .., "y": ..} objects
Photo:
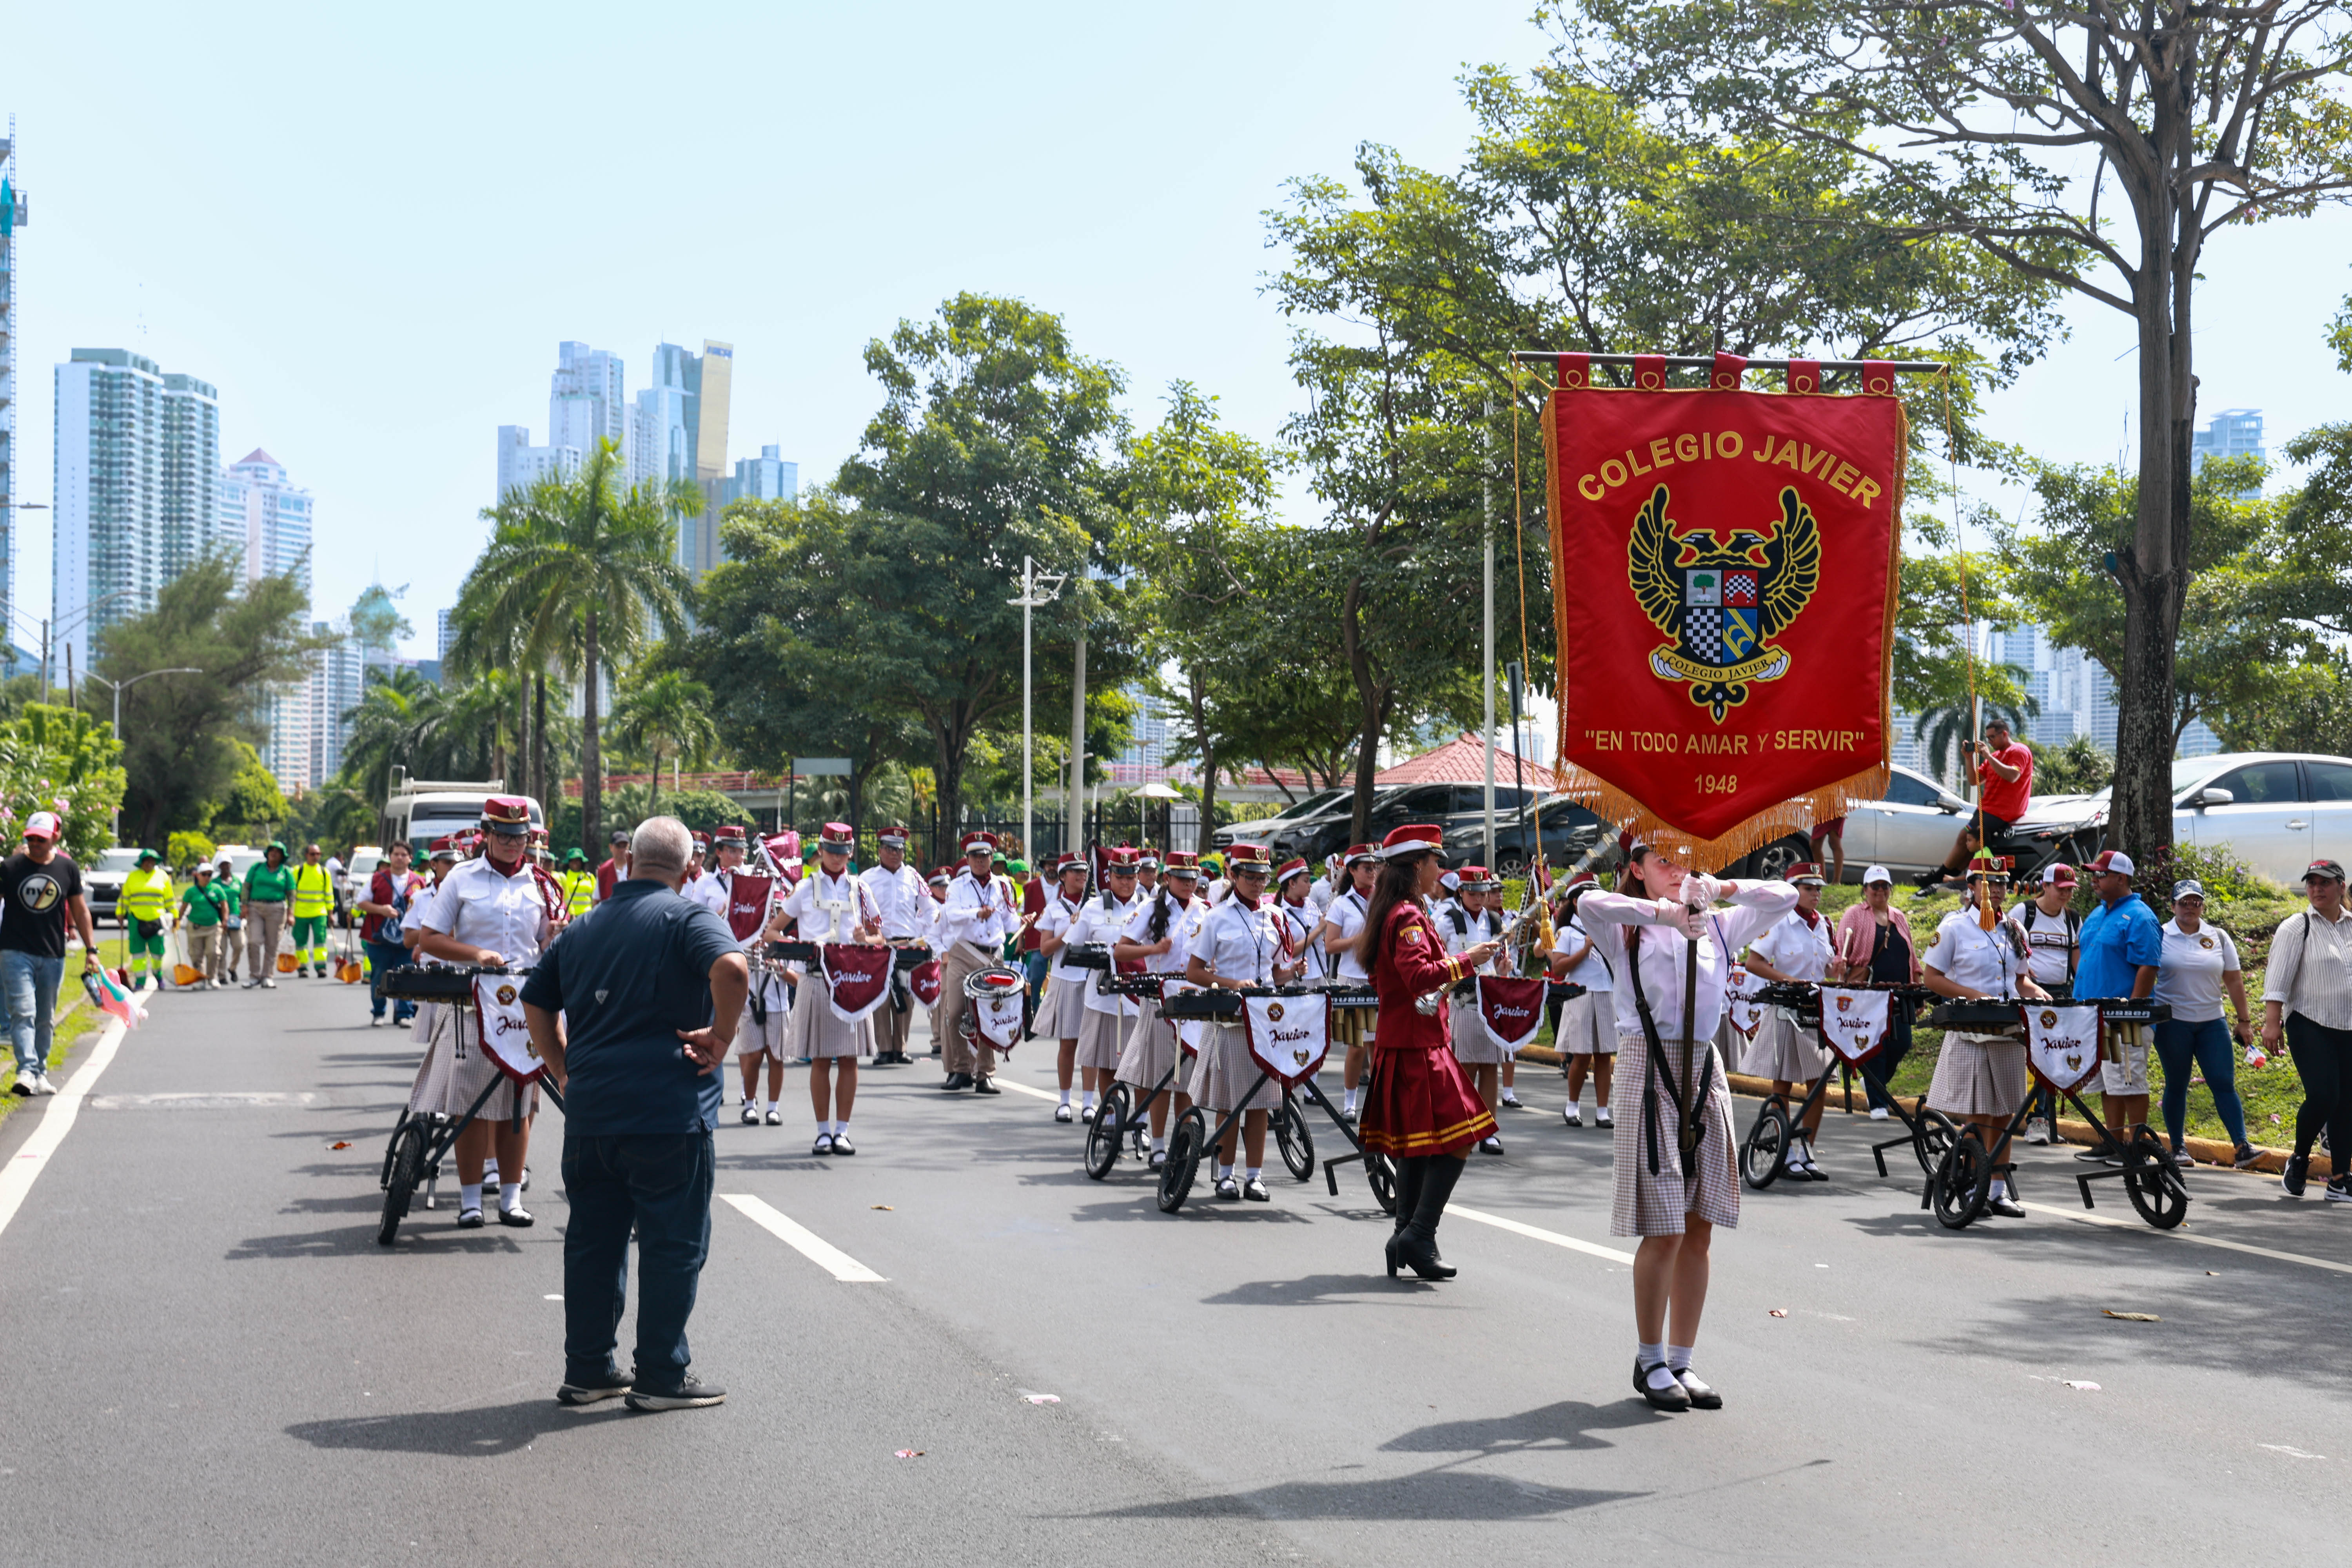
[{"x": 1422, "y": 1103}]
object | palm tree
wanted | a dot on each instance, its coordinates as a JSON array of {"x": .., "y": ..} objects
[
  {"x": 579, "y": 553},
  {"x": 667, "y": 712},
  {"x": 393, "y": 722}
]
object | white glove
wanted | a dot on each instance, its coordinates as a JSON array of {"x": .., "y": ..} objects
[{"x": 1701, "y": 891}]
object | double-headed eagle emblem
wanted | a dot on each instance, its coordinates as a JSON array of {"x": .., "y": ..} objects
[{"x": 1723, "y": 603}]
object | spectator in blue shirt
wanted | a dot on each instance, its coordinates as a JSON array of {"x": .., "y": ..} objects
[
  {"x": 2122, "y": 945},
  {"x": 650, "y": 987}
]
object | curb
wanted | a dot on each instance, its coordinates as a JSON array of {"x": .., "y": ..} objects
[{"x": 2207, "y": 1151}]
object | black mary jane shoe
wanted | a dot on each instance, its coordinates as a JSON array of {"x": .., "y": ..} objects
[
  {"x": 518, "y": 1217},
  {"x": 1702, "y": 1397},
  {"x": 842, "y": 1145},
  {"x": 824, "y": 1145},
  {"x": 1673, "y": 1397}
]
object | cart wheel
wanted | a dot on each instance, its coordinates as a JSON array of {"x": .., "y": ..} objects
[
  {"x": 408, "y": 1170},
  {"x": 1762, "y": 1156},
  {"x": 1963, "y": 1183},
  {"x": 1936, "y": 1135},
  {"x": 1183, "y": 1160},
  {"x": 1382, "y": 1175},
  {"x": 1296, "y": 1143},
  {"x": 392, "y": 1147},
  {"x": 2152, "y": 1180},
  {"x": 1104, "y": 1136}
]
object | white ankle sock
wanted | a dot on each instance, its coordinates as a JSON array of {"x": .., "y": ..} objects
[
  {"x": 840, "y": 1128},
  {"x": 1678, "y": 1358},
  {"x": 1090, "y": 1099},
  {"x": 469, "y": 1196},
  {"x": 1350, "y": 1104},
  {"x": 1224, "y": 1172},
  {"x": 510, "y": 1195},
  {"x": 1159, "y": 1145},
  {"x": 1999, "y": 1187},
  {"x": 1652, "y": 1354},
  {"x": 1065, "y": 1097},
  {"x": 824, "y": 1129},
  {"x": 1255, "y": 1172},
  {"x": 491, "y": 1169}
]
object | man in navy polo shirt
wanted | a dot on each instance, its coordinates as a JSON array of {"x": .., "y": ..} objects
[
  {"x": 650, "y": 986},
  {"x": 2122, "y": 944}
]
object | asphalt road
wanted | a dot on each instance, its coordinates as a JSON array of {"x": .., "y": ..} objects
[{"x": 210, "y": 1359}]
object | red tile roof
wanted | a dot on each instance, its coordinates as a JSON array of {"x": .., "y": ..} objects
[{"x": 1464, "y": 761}]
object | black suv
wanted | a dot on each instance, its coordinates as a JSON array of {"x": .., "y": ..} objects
[
  {"x": 1574, "y": 838},
  {"x": 1323, "y": 823}
]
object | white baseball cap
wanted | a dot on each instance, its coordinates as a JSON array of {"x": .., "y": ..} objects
[
  {"x": 2113, "y": 860},
  {"x": 1877, "y": 874},
  {"x": 41, "y": 825}
]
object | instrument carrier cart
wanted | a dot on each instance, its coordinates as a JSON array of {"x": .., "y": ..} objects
[{"x": 1764, "y": 1153}]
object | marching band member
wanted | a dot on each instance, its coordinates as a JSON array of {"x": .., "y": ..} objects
[
  {"x": 1147, "y": 873},
  {"x": 1423, "y": 1113},
  {"x": 1098, "y": 1030},
  {"x": 1584, "y": 1028},
  {"x": 765, "y": 1030},
  {"x": 1160, "y": 933},
  {"x": 1673, "y": 1201},
  {"x": 715, "y": 888},
  {"x": 1238, "y": 948},
  {"x": 694, "y": 862},
  {"x": 1293, "y": 905},
  {"x": 1464, "y": 922},
  {"x": 1343, "y": 938},
  {"x": 938, "y": 943},
  {"x": 906, "y": 904},
  {"x": 1508, "y": 963},
  {"x": 1980, "y": 1078},
  {"x": 830, "y": 907},
  {"x": 1326, "y": 886},
  {"x": 1800, "y": 947},
  {"x": 498, "y": 911},
  {"x": 1064, "y": 1010},
  {"x": 975, "y": 920}
]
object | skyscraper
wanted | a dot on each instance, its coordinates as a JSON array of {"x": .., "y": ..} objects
[
  {"x": 584, "y": 400},
  {"x": 265, "y": 520},
  {"x": 764, "y": 478},
  {"x": 679, "y": 432},
  {"x": 13, "y": 213},
  {"x": 520, "y": 464},
  {"x": 137, "y": 481}
]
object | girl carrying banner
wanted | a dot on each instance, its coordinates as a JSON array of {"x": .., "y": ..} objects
[
  {"x": 1464, "y": 923},
  {"x": 832, "y": 908},
  {"x": 1238, "y": 948},
  {"x": 1671, "y": 949},
  {"x": 1160, "y": 934}
]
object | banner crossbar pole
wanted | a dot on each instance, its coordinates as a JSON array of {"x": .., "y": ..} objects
[{"x": 1706, "y": 361}]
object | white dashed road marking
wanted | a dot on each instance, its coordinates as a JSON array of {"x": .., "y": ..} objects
[{"x": 802, "y": 1240}]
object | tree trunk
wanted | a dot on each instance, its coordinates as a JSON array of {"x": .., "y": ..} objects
[
  {"x": 2153, "y": 569},
  {"x": 1198, "y": 697},
  {"x": 539, "y": 743},
  {"x": 1367, "y": 692},
  {"x": 653, "y": 785},
  {"x": 591, "y": 760},
  {"x": 948, "y": 801}
]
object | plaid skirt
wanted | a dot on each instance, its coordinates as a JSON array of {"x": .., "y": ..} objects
[
  {"x": 1474, "y": 1044},
  {"x": 1783, "y": 1050},
  {"x": 456, "y": 1068},
  {"x": 1644, "y": 1205},
  {"x": 765, "y": 1030},
  {"x": 1062, "y": 1012},
  {"x": 1588, "y": 1025},
  {"x": 812, "y": 1029},
  {"x": 1223, "y": 1071},
  {"x": 1099, "y": 1040},
  {"x": 1978, "y": 1074},
  {"x": 1150, "y": 1051}
]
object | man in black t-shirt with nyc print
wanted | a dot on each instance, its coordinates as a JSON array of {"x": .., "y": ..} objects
[{"x": 40, "y": 887}]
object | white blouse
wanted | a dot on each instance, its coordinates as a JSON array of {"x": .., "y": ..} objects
[{"x": 1655, "y": 930}]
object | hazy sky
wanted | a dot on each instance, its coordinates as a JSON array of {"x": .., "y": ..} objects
[{"x": 371, "y": 229}]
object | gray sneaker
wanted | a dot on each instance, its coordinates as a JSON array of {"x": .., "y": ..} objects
[
  {"x": 690, "y": 1392},
  {"x": 45, "y": 1086}
]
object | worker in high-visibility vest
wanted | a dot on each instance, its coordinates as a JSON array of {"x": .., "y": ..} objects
[
  {"x": 579, "y": 884},
  {"x": 314, "y": 899},
  {"x": 145, "y": 900}
]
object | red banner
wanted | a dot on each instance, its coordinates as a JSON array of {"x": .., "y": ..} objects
[
  {"x": 923, "y": 980},
  {"x": 746, "y": 903},
  {"x": 857, "y": 977},
  {"x": 1724, "y": 577}
]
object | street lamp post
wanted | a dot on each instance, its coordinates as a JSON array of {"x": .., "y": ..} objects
[
  {"x": 1033, "y": 584},
  {"x": 134, "y": 681}
]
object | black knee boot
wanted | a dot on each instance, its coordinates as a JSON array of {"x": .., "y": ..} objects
[
  {"x": 1409, "y": 1175},
  {"x": 1416, "y": 1244}
]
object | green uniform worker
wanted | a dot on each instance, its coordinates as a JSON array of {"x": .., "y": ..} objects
[
  {"x": 204, "y": 911},
  {"x": 146, "y": 899},
  {"x": 579, "y": 884},
  {"x": 267, "y": 885},
  {"x": 314, "y": 899}
]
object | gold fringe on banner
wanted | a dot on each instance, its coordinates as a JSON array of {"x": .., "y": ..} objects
[{"x": 1794, "y": 815}]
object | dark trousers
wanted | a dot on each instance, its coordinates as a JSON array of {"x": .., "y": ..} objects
[
  {"x": 2323, "y": 1059},
  {"x": 2187, "y": 1048},
  {"x": 1898, "y": 1046},
  {"x": 660, "y": 1184},
  {"x": 383, "y": 956}
]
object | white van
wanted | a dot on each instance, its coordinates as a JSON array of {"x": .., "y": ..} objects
[{"x": 421, "y": 810}]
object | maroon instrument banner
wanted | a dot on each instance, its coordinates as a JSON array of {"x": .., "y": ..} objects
[
  {"x": 857, "y": 977},
  {"x": 1288, "y": 1036},
  {"x": 746, "y": 903},
  {"x": 995, "y": 995},
  {"x": 923, "y": 980},
  {"x": 2062, "y": 1042},
  {"x": 504, "y": 1033},
  {"x": 1854, "y": 1022},
  {"x": 1724, "y": 581},
  {"x": 1512, "y": 1010}
]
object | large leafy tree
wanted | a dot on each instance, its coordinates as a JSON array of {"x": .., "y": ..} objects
[
  {"x": 664, "y": 714},
  {"x": 995, "y": 440},
  {"x": 582, "y": 557},
  {"x": 2234, "y": 649},
  {"x": 2095, "y": 148},
  {"x": 178, "y": 730}
]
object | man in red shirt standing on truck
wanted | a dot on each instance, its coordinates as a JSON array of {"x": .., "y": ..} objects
[{"x": 2004, "y": 783}]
